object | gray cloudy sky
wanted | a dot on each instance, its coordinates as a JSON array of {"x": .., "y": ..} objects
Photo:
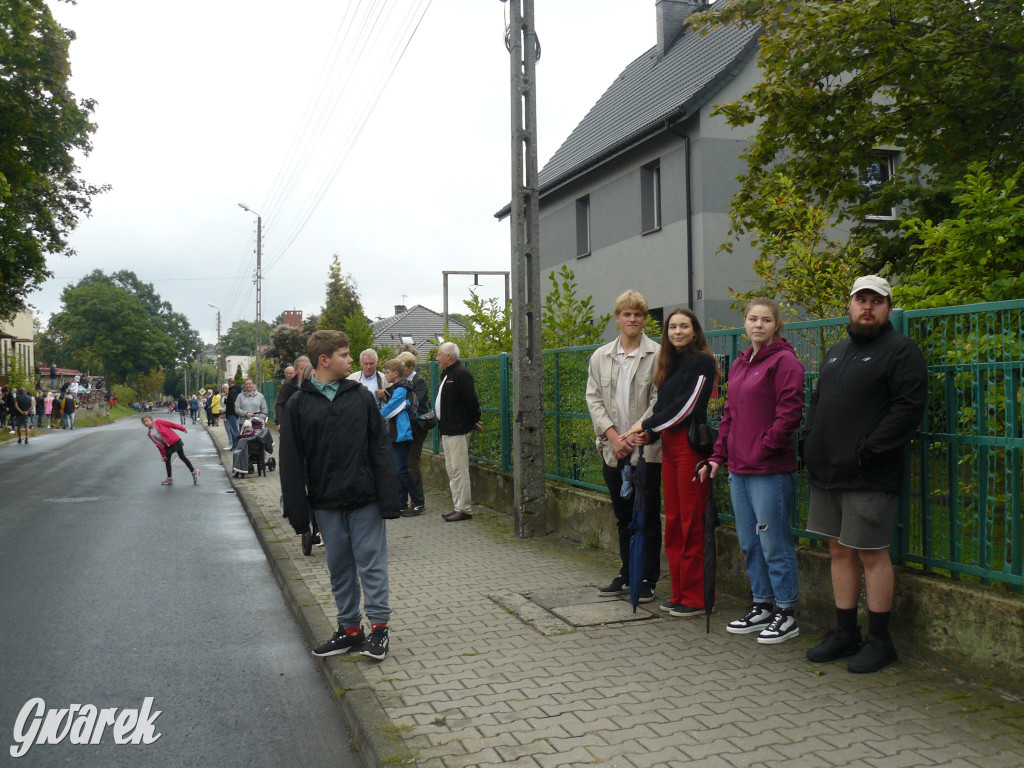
[{"x": 202, "y": 105}]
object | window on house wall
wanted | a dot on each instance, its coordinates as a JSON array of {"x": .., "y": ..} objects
[
  {"x": 650, "y": 197},
  {"x": 583, "y": 226},
  {"x": 873, "y": 177}
]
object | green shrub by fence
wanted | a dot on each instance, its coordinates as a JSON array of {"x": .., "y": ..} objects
[{"x": 961, "y": 510}]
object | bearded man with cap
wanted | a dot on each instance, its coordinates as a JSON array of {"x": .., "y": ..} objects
[{"x": 868, "y": 402}]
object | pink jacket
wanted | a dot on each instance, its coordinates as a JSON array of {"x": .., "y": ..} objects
[{"x": 166, "y": 432}]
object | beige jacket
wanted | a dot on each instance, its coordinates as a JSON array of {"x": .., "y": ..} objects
[{"x": 602, "y": 381}]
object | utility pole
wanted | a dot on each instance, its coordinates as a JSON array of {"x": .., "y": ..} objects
[
  {"x": 220, "y": 351},
  {"x": 527, "y": 368},
  {"x": 259, "y": 293}
]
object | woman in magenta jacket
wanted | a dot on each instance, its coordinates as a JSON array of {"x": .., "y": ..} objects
[
  {"x": 763, "y": 407},
  {"x": 163, "y": 435}
]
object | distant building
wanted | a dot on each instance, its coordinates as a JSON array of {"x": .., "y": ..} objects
[
  {"x": 292, "y": 318},
  {"x": 17, "y": 345},
  {"x": 231, "y": 363},
  {"x": 419, "y": 326}
]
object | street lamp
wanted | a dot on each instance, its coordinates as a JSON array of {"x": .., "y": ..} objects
[
  {"x": 259, "y": 292},
  {"x": 220, "y": 352}
]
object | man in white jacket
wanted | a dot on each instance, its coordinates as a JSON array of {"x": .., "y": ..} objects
[{"x": 619, "y": 390}]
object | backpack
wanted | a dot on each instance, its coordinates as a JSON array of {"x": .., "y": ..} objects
[{"x": 425, "y": 418}]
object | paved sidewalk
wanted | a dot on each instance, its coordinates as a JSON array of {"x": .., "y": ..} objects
[{"x": 492, "y": 662}]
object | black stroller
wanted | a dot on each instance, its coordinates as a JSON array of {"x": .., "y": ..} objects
[{"x": 252, "y": 451}]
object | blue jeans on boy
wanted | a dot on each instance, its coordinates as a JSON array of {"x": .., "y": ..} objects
[
  {"x": 231, "y": 427},
  {"x": 763, "y": 505},
  {"x": 356, "y": 544},
  {"x": 407, "y": 489}
]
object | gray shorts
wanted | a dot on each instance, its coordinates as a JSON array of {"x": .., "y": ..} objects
[{"x": 858, "y": 519}]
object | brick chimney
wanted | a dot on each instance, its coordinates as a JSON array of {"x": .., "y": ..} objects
[{"x": 672, "y": 15}]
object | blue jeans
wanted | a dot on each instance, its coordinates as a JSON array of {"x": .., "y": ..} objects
[
  {"x": 356, "y": 543},
  {"x": 407, "y": 489},
  {"x": 231, "y": 427},
  {"x": 69, "y": 420},
  {"x": 763, "y": 505}
]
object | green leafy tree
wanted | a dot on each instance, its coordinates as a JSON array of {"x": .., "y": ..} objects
[
  {"x": 342, "y": 300},
  {"x": 359, "y": 332},
  {"x": 568, "y": 320},
  {"x": 267, "y": 366},
  {"x": 42, "y": 129},
  {"x": 17, "y": 374},
  {"x": 976, "y": 256},
  {"x": 288, "y": 343},
  {"x": 149, "y": 385},
  {"x": 240, "y": 338},
  {"x": 942, "y": 81},
  {"x": 488, "y": 327},
  {"x": 797, "y": 264},
  {"x": 104, "y": 327}
]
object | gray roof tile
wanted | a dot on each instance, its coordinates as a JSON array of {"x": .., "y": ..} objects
[{"x": 422, "y": 324}]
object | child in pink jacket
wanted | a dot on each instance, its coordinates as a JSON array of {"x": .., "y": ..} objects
[{"x": 163, "y": 435}]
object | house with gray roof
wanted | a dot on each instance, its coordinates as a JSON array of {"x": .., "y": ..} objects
[
  {"x": 638, "y": 194},
  {"x": 418, "y": 325}
]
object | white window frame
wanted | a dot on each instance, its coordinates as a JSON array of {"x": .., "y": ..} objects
[{"x": 887, "y": 161}]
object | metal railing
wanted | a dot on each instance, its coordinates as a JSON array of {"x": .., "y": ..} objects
[{"x": 960, "y": 512}]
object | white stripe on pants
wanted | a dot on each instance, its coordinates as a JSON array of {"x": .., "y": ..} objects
[{"x": 456, "y": 463}]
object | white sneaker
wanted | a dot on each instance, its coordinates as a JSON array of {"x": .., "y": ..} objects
[
  {"x": 782, "y": 628},
  {"x": 757, "y": 618}
]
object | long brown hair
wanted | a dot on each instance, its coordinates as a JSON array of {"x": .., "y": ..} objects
[{"x": 667, "y": 355}]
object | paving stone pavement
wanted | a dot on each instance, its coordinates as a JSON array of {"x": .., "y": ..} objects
[{"x": 469, "y": 682}]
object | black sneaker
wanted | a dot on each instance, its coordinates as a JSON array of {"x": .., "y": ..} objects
[
  {"x": 376, "y": 646},
  {"x": 781, "y": 628},
  {"x": 837, "y": 644},
  {"x": 341, "y": 643},
  {"x": 413, "y": 511},
  {"x": 646, "y": 592},
  {"x": 874, "y": 654},
  {"x": 757, "y": 618},
  {"x": 669, "y": 606},
  {"x": 619, "y": 586},
  {"x": 307, "y": 543},
  {"x": 685, "y": 611}
]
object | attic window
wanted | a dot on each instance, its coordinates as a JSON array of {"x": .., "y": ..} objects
[
  {"x": 406, "y": 339},
  {"x": 650, "y": 197}
]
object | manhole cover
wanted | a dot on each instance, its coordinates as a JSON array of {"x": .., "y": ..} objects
[{"x": 559, "y": 611}]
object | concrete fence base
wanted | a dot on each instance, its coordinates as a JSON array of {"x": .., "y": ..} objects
[{"x": 976, "y": 633}]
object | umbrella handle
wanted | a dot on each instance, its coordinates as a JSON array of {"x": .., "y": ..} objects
[{"x": 700, "y": 465}]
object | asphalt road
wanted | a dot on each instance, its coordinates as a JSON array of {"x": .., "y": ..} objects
[{"x": 116, "y": 589}]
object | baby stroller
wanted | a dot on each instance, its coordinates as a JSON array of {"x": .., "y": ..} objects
[{"x": 255, "y": 444}]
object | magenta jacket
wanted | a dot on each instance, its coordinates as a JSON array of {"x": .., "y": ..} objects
[
  {"x": 166, "y": 430},
  {"x": 763, "y": 407}
]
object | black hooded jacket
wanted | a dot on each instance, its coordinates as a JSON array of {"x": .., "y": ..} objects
[
  {"x": 870, "y": 397},
  {"x": 335, "y": 454}
]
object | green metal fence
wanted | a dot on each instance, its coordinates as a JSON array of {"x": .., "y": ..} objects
[{"x": 961, "y": 508}]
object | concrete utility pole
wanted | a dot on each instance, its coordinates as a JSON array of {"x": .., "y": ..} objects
[
  {"x": 527, "y": 369},
  {"x": 259, "y": 293}
]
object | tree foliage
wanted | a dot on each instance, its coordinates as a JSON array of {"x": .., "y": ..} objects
[
  {"x": 240, "y": 338},
  {"x": 941, "y": 81},
  {"x": 103, "y": 327},
  {"x": 976, "y": 256},
  {"x": 42, "y": 126},
  {"x": 342, "y": 301},
  {"x": 488, "y": 327},
  {"x": 568, "y": 320}
]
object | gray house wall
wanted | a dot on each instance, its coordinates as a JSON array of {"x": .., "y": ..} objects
[{"x": 655, "y": 263}]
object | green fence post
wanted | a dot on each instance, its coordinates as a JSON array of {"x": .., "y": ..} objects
[{"x": 558, "y": 413}]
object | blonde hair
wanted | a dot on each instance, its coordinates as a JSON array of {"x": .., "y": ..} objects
[
  {"x": 631, "y": 300},
  {"x": 395, "y": 365}
]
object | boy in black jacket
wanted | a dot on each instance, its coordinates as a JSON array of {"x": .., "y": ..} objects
[{"x": 336, "y": 459}]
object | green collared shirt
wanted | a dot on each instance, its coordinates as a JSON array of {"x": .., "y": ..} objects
[{"x": 328, "y": 390}]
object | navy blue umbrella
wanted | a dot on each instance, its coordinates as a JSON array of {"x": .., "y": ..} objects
[
  {"x": 711, "y": 521},
  {"x": 636, "y": 540}
]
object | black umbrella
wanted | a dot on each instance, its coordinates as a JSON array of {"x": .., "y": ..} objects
[
  {"x": 711, "y": 522},
  {"x": 636, "y": 540}
]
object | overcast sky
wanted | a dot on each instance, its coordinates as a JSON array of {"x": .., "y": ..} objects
[{"x": 202, "y": 105}]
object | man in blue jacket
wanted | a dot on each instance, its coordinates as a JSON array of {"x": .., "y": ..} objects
[
  {"x": 336, "y": 460},
  {"x": 869, "y": 401}
]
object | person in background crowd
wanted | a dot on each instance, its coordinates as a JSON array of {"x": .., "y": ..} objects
[
  {"x": 55, "y": 411},
  {"x": 421, "y": 393},
  {"x": 458, "y": 413},
  {"x": 73, "y": 387},
  {"x": 684, "y": 378},
  {"x": 762, "y": 412},
  {"x": 23, "y": 404},
  {"x": 40, "y": 408},
  {"x": 300, "y": 370},
  {"x": 370, "y": 377},
  {"x": 871, "y": 394},
  {"x": 68, "y": 408},
  {"x": 215, "y": 398},
  {"x": 619, "y": 390},
  {"x": 398, "y": 412},
  {"x": 193, "y": 407},
  {"x": 48, "y": 409},
  {"x": 5, "y": 408},
  {"x": 53, "y": 376},
  {"x": 251, "y": 403}
]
